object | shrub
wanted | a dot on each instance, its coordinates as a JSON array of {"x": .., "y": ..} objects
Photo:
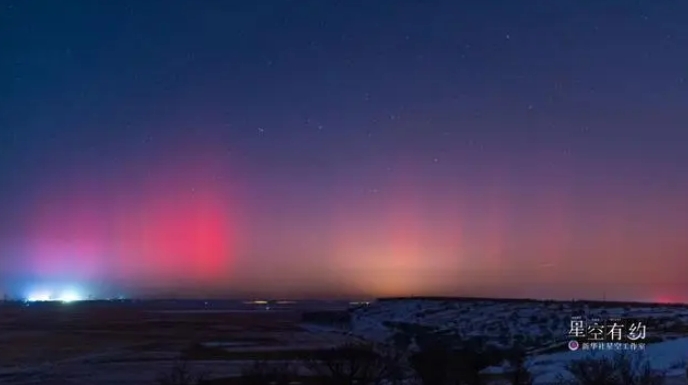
[
  {"x": 395, "y": 362},
  {"x": 180, "y": 374},
  {"x": 353, "y": 363},
  {"x": 519, "y": 374},
  {"x": 264, "y": 373},
  {"x": 432, "y": 365},
  {"x": 621, "y": 369},
  {"x": 442, "y": 365}
]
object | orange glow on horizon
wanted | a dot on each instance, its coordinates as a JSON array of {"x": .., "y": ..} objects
[{"x": 401, "y": 247}]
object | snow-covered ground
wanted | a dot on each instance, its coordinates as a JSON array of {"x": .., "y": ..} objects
[
  {"x": 533, "y": 325},
  {"x": 668, "y": 356},
  {"x": 526, "y": 324}
]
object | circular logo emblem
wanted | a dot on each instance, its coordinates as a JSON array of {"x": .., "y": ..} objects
[{"x": 574, "y": 345}]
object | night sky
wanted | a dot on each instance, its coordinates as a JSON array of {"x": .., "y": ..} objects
[{"x": 318, "y": 148}]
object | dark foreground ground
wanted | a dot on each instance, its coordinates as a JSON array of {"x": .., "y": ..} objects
[
  {"x": 127, "y": 343},
  {"x": 123, "y": 343}
]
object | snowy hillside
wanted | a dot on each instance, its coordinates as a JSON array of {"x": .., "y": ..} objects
[
  {"x": 539, "y": 327},
  {"x": 532, "y": 325}
]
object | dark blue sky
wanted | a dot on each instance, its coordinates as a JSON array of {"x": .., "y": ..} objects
[{"x": 386, "y": 147}]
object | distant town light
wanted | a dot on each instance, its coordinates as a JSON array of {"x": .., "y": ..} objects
[
  {"x": 67, "y": 295},
  {"x": 39, "y": 297},
  {"x": 70, "y": 296}
]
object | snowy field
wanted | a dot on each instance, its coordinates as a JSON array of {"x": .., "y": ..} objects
[
  {"x": 669, "y": 356},
  {"x": 536, "y": 326}
]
